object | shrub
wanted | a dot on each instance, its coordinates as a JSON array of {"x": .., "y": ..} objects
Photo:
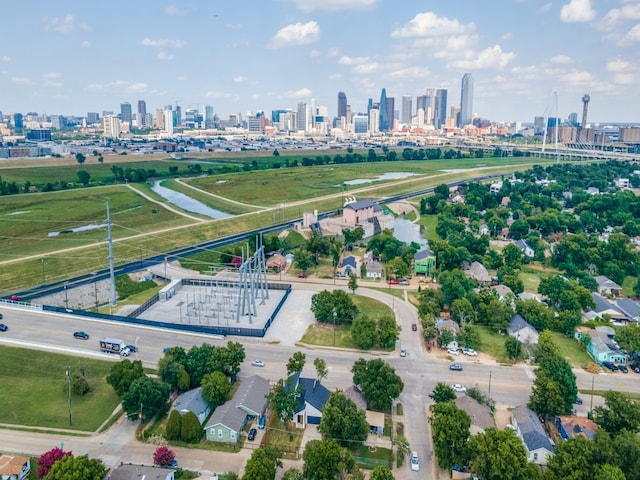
[
  {"x": 174, "y": 426},
  {"x": 191, "y": 429}
]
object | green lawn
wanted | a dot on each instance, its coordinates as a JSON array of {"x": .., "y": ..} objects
[
  {"x": 572, "y": 350},
  {"x": 38, "y": 393},
  {"x": 492, "y": 344},
  {"x": 627, "y": 286},
  {"x": 429, "y": 222},
  {"x": 287, "y": 441},
  {"x": 370, "y": 457}
]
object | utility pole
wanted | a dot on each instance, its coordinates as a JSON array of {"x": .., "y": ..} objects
[
  {"x": 112, "y": 275},
  {"x": 42, "y": 259},
  {"x": 69, "y": 396},
  {"x": 489, "y": 394}
]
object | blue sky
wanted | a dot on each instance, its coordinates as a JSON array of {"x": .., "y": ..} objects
[{"x": 70, "y": 57}]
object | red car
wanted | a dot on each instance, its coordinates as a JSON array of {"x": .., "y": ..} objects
[
  {"x": 302, "y": 275},
  {"x": 15, "y": 298},
  {"x": 393, "y": 282}
]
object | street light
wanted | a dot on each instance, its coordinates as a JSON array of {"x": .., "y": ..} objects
[
  {"x": 66, "y": 298},
  {"x": 42, "y": 259},
  {"x": 335, "y": 314},
  {"x": 69, "y": 395}
]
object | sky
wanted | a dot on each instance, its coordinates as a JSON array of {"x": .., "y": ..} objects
[{"x": 528, "y": 58}]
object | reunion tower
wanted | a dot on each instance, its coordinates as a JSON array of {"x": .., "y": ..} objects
[{"x": 585, "y": 108}]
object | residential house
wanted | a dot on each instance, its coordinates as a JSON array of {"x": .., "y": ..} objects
[
  {"x": 593, "y": 191},
  {"x": 478, "y": 272},
  {"x": 605, "y": 309},
  {"x": 622, "y": 182},
  {"x": 192, "y": 401},
  {"x": 313, "y": 397},
  {"x": 348, "y": 266},
  {"x": 504, "y": 233},
  {"x": 446, "y": 324},
  {"x": 571, "y": 426},
  {"x": 495, "y": 187},
  {"x": 138, "y": 472},
  {"x": 600, "y": 347},
  {"x": 374, "y": 269},
  {"x": 529, "y": 428},
  {"x": 607, "y": 286},
  {"x": 424, "y": 263},
  {"x": 483, "y": 229},
  {"x": 355, "y": 395},
  {"x": 277, "y": 262},
  {"x": 229, "y": 419},
  {"x": 523, "y": 331},
  {"x": 525, "y": 248},
  {"x": 480, "y": 414},
  {"x": 505, "y": 202},
  {"x": 529, "y": 296},
  {"x": 14, "y": 467},
  {"x": 503, "y": 292},
  {"x": 375, "y": 421},
  {"x": 630, "y": 308}
]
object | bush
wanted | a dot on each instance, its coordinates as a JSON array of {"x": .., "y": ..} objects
[
  {"x": 399, "y": 409},
  {"x": 174, "y": 426},
  {"x": 127, "y": 287},
  {"x": 79, "y": 384},
  {"x": 191, "y": 429}
]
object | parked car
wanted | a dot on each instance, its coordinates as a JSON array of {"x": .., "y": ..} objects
[
  {"x": 623, "y": 368},
  {"x": 257, "y": 363},
  {"x": 393, "y": 282},
  {"x": 125, "y": 352},
  {"x": 635, "y": 367},
  {"x": 174, "y": 463},
  {"x": 415, "y": 462},
  {"x": 3, "y": 327},
  {"x": 0, "y": 316},
  {"x": 453, "y": 351},
  {"x": 262, "y": 423},
  {"x": 459, "y": 388},
  {"x": 15, "y": 298},
  {"x": 578, "y": 401},
  {"x": 132, "y": 348},
  {"x": 81, "y": 335},
  {"x": 414, "y": 327},
  {"x": 252, "y": 434},
  {"x": 302, "y": 275},
  {"x": 609, "y": 365},
  {"x": 470, "y": 351},
  {"x": 403, "y": 352},
  {"x": 404, "y": 282},
  {"x": 455, "y": 366}
]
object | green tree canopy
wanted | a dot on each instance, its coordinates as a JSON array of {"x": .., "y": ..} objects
[
  {"x": 546, "y": 395},
  {"x": 321, "y": 368},
  {"x": 388, "y": 331},
  {"x": 443, "y": 393},
  {"x": 146, "y": 396},
  {"x": 123, "y": 374},
  {"x": 215, "y": 388},
  {"x": 77, "y": 468},
  {"x": 283, "y": 400},
  {"x": 260, "y": 466},
  {"x": 378, "y": 382},
  {"x": 296, "y": 363},
  {"x": 619, "y": 413},
  {"x": 450, "y": 432},
  {"x": 326, "y": 460},
  {"x": 190, "y": 428},
  {"x": 174, "y": 426},
  {"x": 343, "y": 421},
  {"x": 324, "y": 303},
  {"x": 381, "y": 472},
  {"x": 364, "y": 332},
  {"x": 628, "y": 337},
  {"x": 573, "y": 460}
]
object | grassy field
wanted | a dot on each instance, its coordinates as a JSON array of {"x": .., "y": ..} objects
[
  {"x": 38, "y": 393},
  {"x": 493, "y": 344},
  {"x": 370, "y": 457},
  {"x": 287, "y": 440},
  {"x": 571, "y": 350},
  {"x": 429, "y": 222}
]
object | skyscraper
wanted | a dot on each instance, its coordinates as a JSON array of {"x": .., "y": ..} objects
[
  {"x": 142, "y": 107},
  {"x": 440, "y": 108},
  {"x": 301, "y": 118},
  {"x": 406, "y": 109},
  {"x": 384, "y": 114},
  {"x": 342, "y": 104},
  {"x": 466, "y": 100},
  {"x": 125, "y": 113}
]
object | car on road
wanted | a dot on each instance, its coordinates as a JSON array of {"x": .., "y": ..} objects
[
  {"x": 0, "y": 316},
  {"x": 456, "y": 367},
  {"x": 257, "y": 363},
  {"x": 403, "y": 352},
  {"x": 393, "y": 282},
  {"x": 635, "y": 367},
  {"x": 578, "y": 401},
  {"x": 415, "y": 462},
  {"x": 302, "y": 275},
  {"x": 3, "y": 327},
  {"x": 459, "y": 388},
  {"x": 623, "y": 368},
  {"x": 453, "y": 351},
  {"x": 262, "y": 423},
  {"x": 414, "y": 327},
  {"x": 252, "y": 434},
  {"x": 125, "y": 352},
  {"x": 470, "y": 351},
  {"x": 132, "y": 348},
  {"x": 174, "y": 463},
  {"x": 81, "y": 335},
  {"x": 15, "y": 298},
  {"x": 610, "y": 366},
  {"x": 404, "y": 282}
]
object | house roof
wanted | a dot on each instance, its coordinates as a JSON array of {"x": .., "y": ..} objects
[
  {"x": 137, "y": 472},
  {"x": 502, "y": 290},
  {"x": 314, "y": 393},
  {"x": 355, "y": 395},
  {"x": 605, "y": 306},
  {"x": 630, "y": 308},
  {"x": 531, "y": 429},
  {"x": 192, "y": 401},
  {"x": 248, "y": 400},
  {"x": 447, "y": 323},
  {"x": 522, "y": 244},
  {"x": 601, "y": 342},
  {"x": 479, "y": 414},
  {"x": 350, "y": 260},
  {"x": 576, "y": 426},
  {"x": 518, "y": 323},
  {"x": 228, "y": 415},
  {"x": 12, "y": 464},
  {"x": 374, "y": 266},
  {"x": 605, "y": 282},
  {"x": 422, "y": 254},
  {"x": 360, "y": 205},
  {"x": 478, "y": 271},
  {"x": 375, "y": 419}
]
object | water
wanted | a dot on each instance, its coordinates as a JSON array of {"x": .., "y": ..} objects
[
  {"x": 84, "y": 228},
  {"x": 408, "y": 232},
  {"x": 380, "y": 178},
  {"x": 187, "y": 203}
]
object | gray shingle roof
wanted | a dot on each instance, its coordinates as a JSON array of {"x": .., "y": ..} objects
[
  {"x": 313, "y": 392},
  {"x": 531, "y": 429},
  {"x": 423, "y": 254},
  {"x": 192, "y": 401},
  {"x": 602, "y": 304},
  {"x": 360, "y": 205},
  {"x": 517, "y": 323},
  {"x": 249, "y": 399},
  {"x": 629, "y": 307}
]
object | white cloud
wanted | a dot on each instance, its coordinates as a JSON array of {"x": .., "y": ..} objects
[
  {"x": 5, "y": 59},
  {"x": 22, "y": 80},
  {"x": 335, "y": 76},
  {"x": 577, "y": 78},
  {"x": 214, "y": 94},
  {"x": 545, "y": 8},
  {"x": 616, "y": 16},
  {"x": 164, "y": 42},
  {"x": 297, "y": 94},
  {"x": 296, "y": 34},
  {"x": 51, "y": 75},
  {"x": 53, "y": 84},
  {"x": 624, "y": 79},
  {"x": 164, "y": 56},
  {"x": 618, "y": 66},
  {"x": 174, "y": 11},
  {"x": 409, "y": 72},
  {"x": 181, "y": 78},
  {"x": 315, "y": 53},
  {"x": 333, "y": 52},
  {"x": 366, "y": 68},
  {"x": 86, "y": 44},
  {"x": 491, "y": 57},
  {"x": 561, "y": 59},
  {"x": 119, "y": 86},
  {"x": 429, "y": 24},
  {"x": 66, "y": 24},
  {"x": 240, "y": 79},
  {"x": 632, "y": 36},
  {"x": 347, "y": 60},
  {"x": 577, "y": 11},
  {"x": 334, "y": 5}
]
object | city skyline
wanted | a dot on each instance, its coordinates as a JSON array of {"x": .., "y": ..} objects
[{"x": 69, "y": 58}]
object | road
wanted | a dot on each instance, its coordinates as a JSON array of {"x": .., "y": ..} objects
[{"x": 420, "y": 371}]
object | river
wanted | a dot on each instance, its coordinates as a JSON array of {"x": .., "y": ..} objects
[{"x": 187, "y": 203}]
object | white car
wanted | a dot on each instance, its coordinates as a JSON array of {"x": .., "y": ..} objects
[
  {"x": 415, "y": 462},
  {"x": 257, "y": 363},
  {"x": 459, "y": 388},
  {"x": 403, "y": 352},
  {"x": 453, "y": 351},
  {"x": 470, "y": 351}
]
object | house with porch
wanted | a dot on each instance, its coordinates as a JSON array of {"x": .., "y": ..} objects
[
  {"x": 600, "y": 347},
  {"x": 525, "y": 248},
  {"x": 14, "y": 467},
  {"x": 424, "y": 263},
  {"x": 374, "y": 269},
  {"x": 607, "y": 287},
  {"x": 530, "y": 430},
  {"x": 443, "y": 324},
  {"x": 348, "y": 266},
  {"x": 192, "y": 401},
  {"x": 522, "y": 330},
  {"x": 248, "y": 403},
  {"x": 311, "y": 401}
]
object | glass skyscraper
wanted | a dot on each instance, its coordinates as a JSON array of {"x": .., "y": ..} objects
[
  {"x": 384, "y": 114},
  {"x": 466, "y": 100},
  {"x": 342, "y": 104}
]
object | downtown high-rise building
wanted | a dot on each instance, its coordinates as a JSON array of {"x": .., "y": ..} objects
[
  {"x": 466, "y": 100},
  {"x": 342, "y": 104},
  {"x": 384, "y": 114},
  {"x": 440, "y": 108},
  {"x": 430, "y": 109},
  {"x": 142, "y": 107},
  {"x": 126, "y": 116},
  {"x": 301, "y": 117},
  {"x": 407, "y": 111}
]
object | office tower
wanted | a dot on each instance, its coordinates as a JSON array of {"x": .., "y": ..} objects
[
  {"x": 169, "y": 120},
  {"x": 440, "y": 108},
  {"x": 407, "y": 110},
  {"x": 301, "y": 118},
  {"x": 466, "y": 100},
  {"x": 125, "y": 113},
  {"x": 111, "y": 127},
  {"x": 159, "y": 123},
  {"x": 360, "y": 123},
  {"x": 209, "y": 121},
  {"x": 17, "y": 120},
  {"x": 58, "y": 122},
  {"x": 384, "y": 112},
  {"x": 142, "y": 107},
  {"x": 177, "y": 116},
  {"x": 374, "y": 121},
  {"x": 538, "y": 125},
  {"x": 421, "y": 105},
  {"x": 430, "y": 108},
  {"x": 342, "y": 104},
  {"x": 391, "y": 112},
  {"x": 93, "y": 117}
]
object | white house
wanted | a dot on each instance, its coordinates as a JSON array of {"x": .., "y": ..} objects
[
  {"x": 14, "y": 467},
  {"x": 519, "y": 328},
  {"x": 530, "y": 430},
  {"x": 525, "y": 248}
]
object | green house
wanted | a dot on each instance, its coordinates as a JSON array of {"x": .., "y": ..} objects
[{"x": 424, "y": 263}]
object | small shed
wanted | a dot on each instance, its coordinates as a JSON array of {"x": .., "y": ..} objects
[{"x": 376, "y": 422}]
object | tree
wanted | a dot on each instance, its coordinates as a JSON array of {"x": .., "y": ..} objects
[
  {"x": 364, "y": 332},
  {"x": 84, "y": 177},
  {"x": 324, "y": 303},
  {"x": 48, "y": 458},
  {"x": 146, "y": 397},
  {"x": 514, "y": 347},
  {"x": 443, "y": 393},
  {"x": 197, "y": 362},
  {"x": 388, "y": 331},
  {"x": 450, "y": 432},
  {"x": 559, "y": 370},
  {"x": 462, "y": 311},
  {"x": 260, "y": 466},
  {"x": 325, "y": 460},
  {"x": 343, "y": 421},
  {"x": 609, "y": 472},
  {"x": 572, "y": 460},
  {"x": 79, "y": 383},
  {"x": 77, "y": 468},
  {"x": 292, "y": 474},
  {"x": 446, "y": 336},
  {"x": 353, "y": 283},
  {"x": 163, "y": 456},
  {"x": 174, "y": 426},
  {"x": 619, "y": 413},
  {"x": 546, "y": 395},
  {"x": 628, "y": 337},
  {"x": 215, "y": 388},
  {"x": 378, "y": 382},
  {"x": 296, "y": 363},
  {"x": 191, "y": 429},
  {"x": 80, "y": 158},
  {"x": 381, "y": 472},
  {"x": 500, "y": 454},
  {"x": 283, "y": 400},
  {"x": 321, "y": 368},
  {"x": 276, "y": 153},
  {"x": 122, "y": 375},
  {"x": 304, "y": 259}
]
